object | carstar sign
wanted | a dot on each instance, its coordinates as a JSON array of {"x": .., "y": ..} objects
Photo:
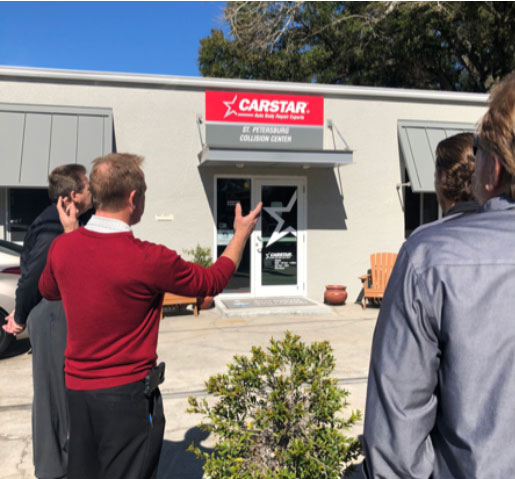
[{"x": 243, "y": 107}]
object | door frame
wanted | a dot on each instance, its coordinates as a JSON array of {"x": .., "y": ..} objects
[{"x": 302, "y": 236}]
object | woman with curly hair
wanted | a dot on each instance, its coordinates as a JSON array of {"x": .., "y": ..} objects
[{"x": 454, "y": 167}]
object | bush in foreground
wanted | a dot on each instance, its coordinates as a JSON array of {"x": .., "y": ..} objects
[{"x": 277, "y": 416}]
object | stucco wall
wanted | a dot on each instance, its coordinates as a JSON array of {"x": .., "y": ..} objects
[
  {"x": 374, "y": 219},
  {"x": 351, "y": 211}
]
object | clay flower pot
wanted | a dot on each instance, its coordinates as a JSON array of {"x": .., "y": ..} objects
[
  {"x": 335, "y": 294},
  {"x": 205, "y": 303}
]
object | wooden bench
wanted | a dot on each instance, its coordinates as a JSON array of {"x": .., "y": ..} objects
[{"x": 171, "y": 299}]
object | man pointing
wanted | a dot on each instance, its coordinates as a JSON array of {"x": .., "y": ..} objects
[{"x": 112, "y": 286}]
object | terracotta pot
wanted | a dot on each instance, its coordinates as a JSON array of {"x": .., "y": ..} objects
[
  {"x": 205, "y": 303},
  {"x": 335, "y": 294}
]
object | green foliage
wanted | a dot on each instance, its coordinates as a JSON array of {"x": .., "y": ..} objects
[
  {"x": 200, "y": 255},
  {"x": 463, "y": 46},
  {"x": 277, "y": 416}
]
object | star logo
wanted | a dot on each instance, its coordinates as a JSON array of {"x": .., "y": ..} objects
[
  {"x": 272, "y": 211},
  {"x": 229, "y": 105}
]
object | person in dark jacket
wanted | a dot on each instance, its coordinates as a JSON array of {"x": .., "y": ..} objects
[
  {"x": 454, "y": 168},
  {"x": 69, "y": 192}
]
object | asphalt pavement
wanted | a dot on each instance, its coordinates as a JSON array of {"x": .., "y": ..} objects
[{"x": 194, "y": 348}]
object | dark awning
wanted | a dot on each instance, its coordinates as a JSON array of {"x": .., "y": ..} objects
[
  {"x": 212, "y": 156},
  {"x": 35, "y": 139},
  {"x": 418, "y": 141}
]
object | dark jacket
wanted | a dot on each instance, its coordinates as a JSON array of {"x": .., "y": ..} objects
[{"x": 45, "y": 228}]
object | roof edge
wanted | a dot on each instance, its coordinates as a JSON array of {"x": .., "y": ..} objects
[{"x": 155, "y": 80}]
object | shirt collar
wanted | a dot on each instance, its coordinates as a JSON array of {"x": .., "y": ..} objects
[
  {"x": 101, "y": 224},
  {"x": 498, "y": 203}
]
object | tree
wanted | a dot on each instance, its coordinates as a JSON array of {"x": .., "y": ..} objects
[{"x": 459, "y": 46}]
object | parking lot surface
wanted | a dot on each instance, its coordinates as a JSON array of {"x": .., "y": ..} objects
[{"x": 194, "y": 349}]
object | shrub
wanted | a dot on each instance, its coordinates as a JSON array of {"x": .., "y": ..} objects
[
  {"x": 277, "y": 416},
  {"x": 200, "y": 255}
]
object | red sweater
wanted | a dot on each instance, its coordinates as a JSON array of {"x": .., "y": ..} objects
[{"x": 112, "y": 289}]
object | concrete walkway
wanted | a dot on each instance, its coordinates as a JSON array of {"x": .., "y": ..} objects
[{"x": 194, "y": 349}]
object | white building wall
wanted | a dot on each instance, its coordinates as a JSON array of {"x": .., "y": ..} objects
[
  {"x": 352, "y": 211},
  {"x": 374, "y": 216}
]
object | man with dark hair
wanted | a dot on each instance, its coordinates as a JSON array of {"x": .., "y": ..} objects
[
  {"x": 116, "y": 411},
  {"x": 442, "y": 377},
  {"x": 65, "y": 180},
  {"x": 454, "y": 167},
  {"x": 68, "y": 190}
]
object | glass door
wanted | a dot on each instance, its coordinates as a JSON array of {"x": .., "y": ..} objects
[
  {"x": 231, "y": 191},
  {"x": 279, "y": 239}
]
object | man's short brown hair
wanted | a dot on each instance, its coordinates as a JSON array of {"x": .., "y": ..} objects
[
  {"x": 455, "y": 164},
  {"x": 112, "y": 179},
  {"x": 65, "y": 179},
  {"x": 497, "y": 129}
]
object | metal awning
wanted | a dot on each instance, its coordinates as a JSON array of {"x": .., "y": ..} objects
[
  {"x": 211, "y": 156},
  {"x": 418, "y": 141},
  {"x": 35, "y": 139}
]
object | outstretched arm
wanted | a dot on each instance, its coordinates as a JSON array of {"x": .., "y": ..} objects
[
  {"x": 243, "y": 227},
  {"x": 172, "y": 273}
]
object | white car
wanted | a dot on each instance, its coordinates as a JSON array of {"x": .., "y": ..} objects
[
  {"x": 9, "y": 275},
  {"x": 10, "y": 256}
]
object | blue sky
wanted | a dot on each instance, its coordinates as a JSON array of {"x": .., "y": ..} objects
[{"x": 136, "y": 37}]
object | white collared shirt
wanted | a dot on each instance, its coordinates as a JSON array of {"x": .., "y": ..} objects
[{"x": 101, "y": 224}]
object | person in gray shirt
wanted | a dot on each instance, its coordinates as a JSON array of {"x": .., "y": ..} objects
[{"x": 441, "y": 387}]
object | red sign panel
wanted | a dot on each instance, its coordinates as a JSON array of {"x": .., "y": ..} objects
[{"x": 242, "y": 107}]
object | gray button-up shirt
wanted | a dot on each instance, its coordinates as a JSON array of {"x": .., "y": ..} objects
[{"x": 441, "y": 388}]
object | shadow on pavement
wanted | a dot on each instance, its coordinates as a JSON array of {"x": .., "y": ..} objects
[
  {"x": 16, "y": 348},
  {"x": 357, "y": 473},
  {"x": 178, "y": 463}
]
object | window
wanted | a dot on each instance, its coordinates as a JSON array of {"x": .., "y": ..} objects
[{"x": 24, "y": 206}]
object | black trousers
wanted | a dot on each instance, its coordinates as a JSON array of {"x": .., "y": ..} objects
[
  {"x": 50, "y": 425},
  {"x": 115, "y": 433}
]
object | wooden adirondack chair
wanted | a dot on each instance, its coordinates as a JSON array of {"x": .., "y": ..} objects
[{"x": 374, "y": 283}]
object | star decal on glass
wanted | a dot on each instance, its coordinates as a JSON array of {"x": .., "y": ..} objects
[{"x": 272, "y": 211}]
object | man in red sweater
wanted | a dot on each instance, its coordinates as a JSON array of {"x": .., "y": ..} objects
[{"x": 112, "y": 287}]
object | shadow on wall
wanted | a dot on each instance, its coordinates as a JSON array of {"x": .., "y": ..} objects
[
  {"x": 325, "y": 202},
  {"x": 326, "y": 206},
  {"x": 176, "y": 462}
]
